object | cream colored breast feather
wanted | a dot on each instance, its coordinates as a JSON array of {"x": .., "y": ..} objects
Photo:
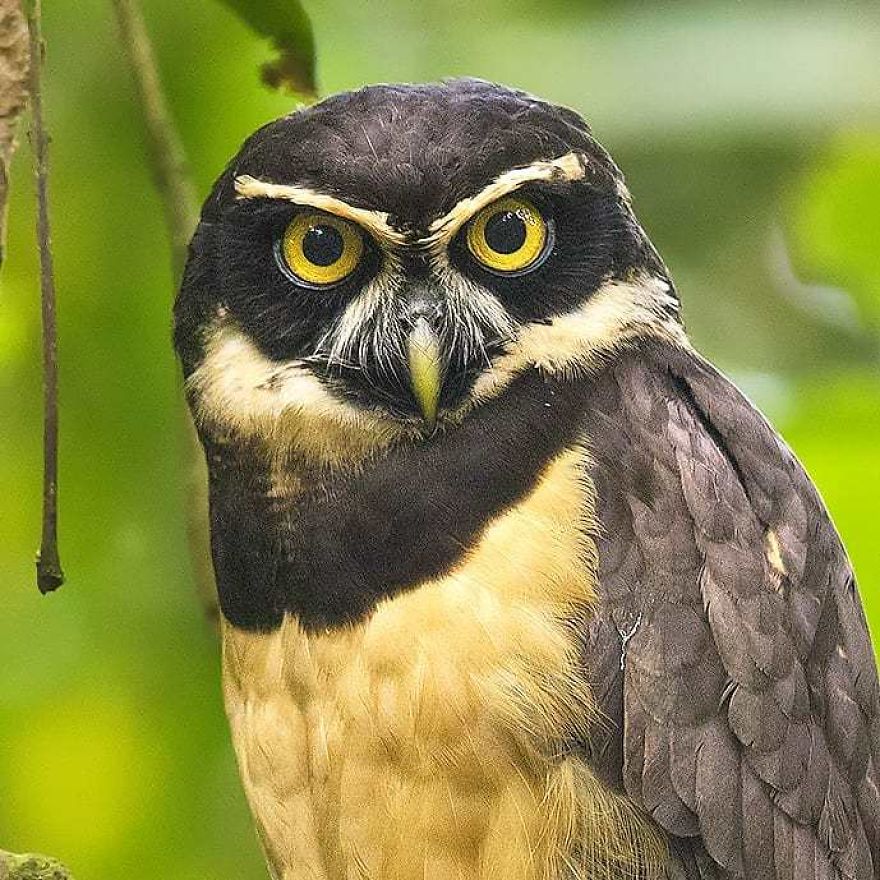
[{"x": 426, "y": 741}]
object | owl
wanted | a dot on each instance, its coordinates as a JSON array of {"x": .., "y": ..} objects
[{"x": 514, "y": 583}]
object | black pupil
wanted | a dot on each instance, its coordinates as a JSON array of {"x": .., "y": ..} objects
[
  {"x": 323, "y": 245},
  {"x": 505, "y": 232}
]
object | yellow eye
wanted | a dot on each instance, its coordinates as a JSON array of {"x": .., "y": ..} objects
[
  {"x": 509, "y": 236},
  {"x": 320, "y": 249}
]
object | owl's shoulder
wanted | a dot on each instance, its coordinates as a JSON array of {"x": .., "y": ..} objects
[{"x": 730, "y": 642}]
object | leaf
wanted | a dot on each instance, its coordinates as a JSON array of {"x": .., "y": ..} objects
[
  {"x": 13, "y": 94},
  {"x": 286, "y": 23}
]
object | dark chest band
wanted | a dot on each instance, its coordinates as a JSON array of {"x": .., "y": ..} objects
[{"x": 331, "y": 554}]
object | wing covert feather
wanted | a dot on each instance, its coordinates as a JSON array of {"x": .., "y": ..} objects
[{"x": 730, "y": 652}]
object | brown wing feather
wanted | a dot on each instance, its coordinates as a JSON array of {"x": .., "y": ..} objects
[{"x": 745, "y": 714}]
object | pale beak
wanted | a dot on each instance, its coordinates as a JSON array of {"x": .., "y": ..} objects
[{"x": 425, "y": 368}]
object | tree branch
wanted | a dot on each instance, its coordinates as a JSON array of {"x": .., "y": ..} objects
[
  {"x": 31, "y": 867},
  {"x": 19, "y": 42},
  {"x": 180, "y": 205},
  {"x": 167, "y": 156},
  {"x": 49, "y": 573}
]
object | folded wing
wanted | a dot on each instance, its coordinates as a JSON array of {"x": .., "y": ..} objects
[{"x": 730, "y": 653}]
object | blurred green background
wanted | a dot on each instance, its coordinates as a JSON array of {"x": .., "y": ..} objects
[{"x": 750, "y": 134}]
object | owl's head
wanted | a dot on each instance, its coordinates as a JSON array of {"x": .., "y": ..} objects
[{"x": 375, "y": 266}]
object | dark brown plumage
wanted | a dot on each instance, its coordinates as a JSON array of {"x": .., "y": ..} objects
[{"x": 745, "y": 717}]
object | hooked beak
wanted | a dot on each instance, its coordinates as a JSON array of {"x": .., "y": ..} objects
[{"x": 425, "y": 367}]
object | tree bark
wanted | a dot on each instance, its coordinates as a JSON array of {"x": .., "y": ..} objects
[
  {"x": 14, "y": 67},
  {"x": 31, "y": 867}
]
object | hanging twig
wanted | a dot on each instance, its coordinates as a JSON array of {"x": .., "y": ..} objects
[
  {"x": 180, "y": 205},
  {"x": 49, "y": 573},
  {"x": 167, "y": 157}
]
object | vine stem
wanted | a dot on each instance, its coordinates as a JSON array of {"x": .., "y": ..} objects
[
  {"x": 167, "y": 157},
  {"x": 180, "y": 206},
  {"x": 49, "y": 573}
]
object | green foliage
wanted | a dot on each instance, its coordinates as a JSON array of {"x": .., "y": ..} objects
[
  {"x": 286, "y": 23},
  {"x": 834, "y": 224},
  {"x": 834, "y": 429},
  {"x": 731, "y": 125}
]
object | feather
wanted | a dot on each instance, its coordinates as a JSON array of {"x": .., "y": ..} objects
[{"x": 750, "y": 696}]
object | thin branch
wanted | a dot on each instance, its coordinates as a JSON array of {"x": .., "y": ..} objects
[
  {"x": 167, "y": 156},
  {"x": 180, "y": 205},
  {"x": 49, "y": 573}
]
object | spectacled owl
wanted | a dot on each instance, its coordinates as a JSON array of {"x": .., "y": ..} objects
[{"x": 514, "y": 583}]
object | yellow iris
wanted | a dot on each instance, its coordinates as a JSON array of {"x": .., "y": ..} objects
[
  {"x": 508, "y": 236},
  {"x": 320, "y": 249}
]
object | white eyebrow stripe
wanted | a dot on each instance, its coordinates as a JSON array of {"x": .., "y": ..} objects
[
  {"x": 375, "y": 222},
  {"x": 571, "y": 166}
]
